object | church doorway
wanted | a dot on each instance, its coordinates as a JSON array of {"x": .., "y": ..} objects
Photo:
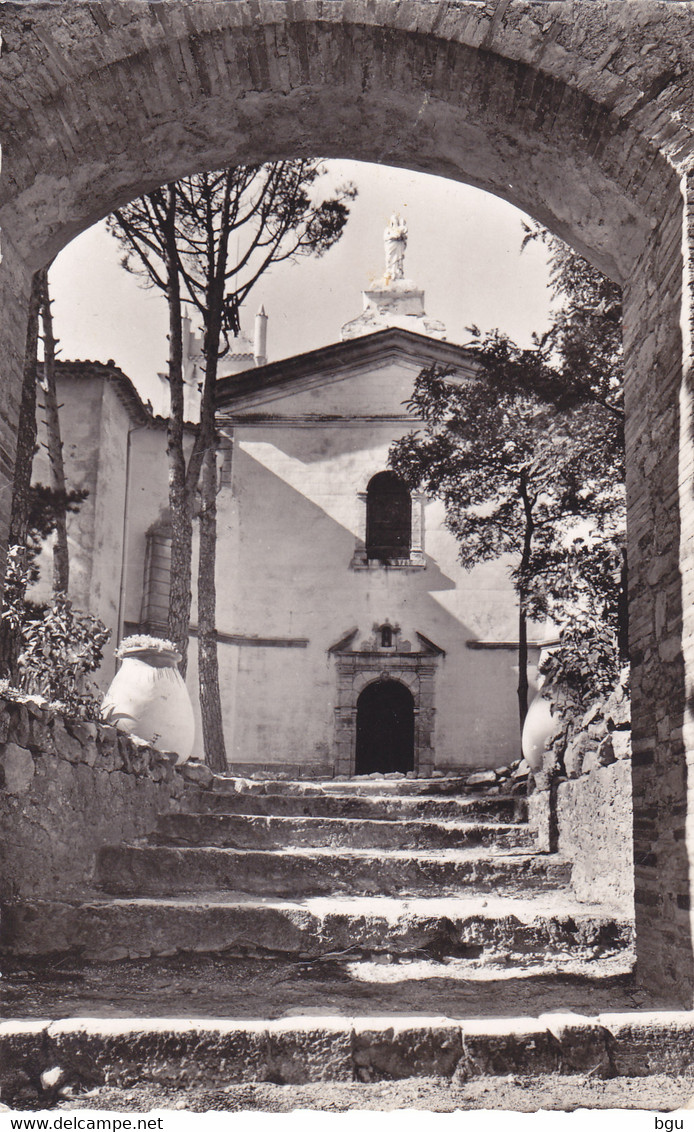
[{"x": 385, "y": 729}]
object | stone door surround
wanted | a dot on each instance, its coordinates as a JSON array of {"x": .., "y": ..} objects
[{"x": 358, "y": 667}]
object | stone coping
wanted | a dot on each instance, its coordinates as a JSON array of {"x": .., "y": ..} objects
[{"x": 32, "y": 729}]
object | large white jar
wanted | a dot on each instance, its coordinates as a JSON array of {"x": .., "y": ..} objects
[
  {"x": 539, "y": 724},
  {"x": 537, "y": 728},
  {"x": 148, "y": 697}
]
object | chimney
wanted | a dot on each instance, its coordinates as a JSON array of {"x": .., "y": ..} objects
[{"x": 260, "y": 338}]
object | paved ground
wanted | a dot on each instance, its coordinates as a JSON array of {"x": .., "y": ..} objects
[
  {"x": 519, "y": 1094},
  {"x": 218, "y": 987}
]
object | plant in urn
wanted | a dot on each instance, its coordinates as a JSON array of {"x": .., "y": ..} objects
[{"x": 148, "y": 697}]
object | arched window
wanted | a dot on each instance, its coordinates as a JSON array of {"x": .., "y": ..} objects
[
  {"x": 388, "y": 517},
  {"x": 154, "y": 612}
]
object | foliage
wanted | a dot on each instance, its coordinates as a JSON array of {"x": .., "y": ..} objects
[
  {"x": 45, "y": 504},
  {"x": 509, "y": 465},
  {"x": 584, "y": 667},
  {"x": 584, "y": 342},
  {"x": 59, "y": 645},
  {"x": 144, "y": 641},
  {"x": 270, "y": 211},
  {"x": 528, "y": 458},
  {"x": 21, "y": 571}
]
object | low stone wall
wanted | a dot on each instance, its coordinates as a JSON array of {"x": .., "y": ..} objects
[
  {"x": 68, "y": 787},
  {"x": 594, "y": 830},
  {"x": 582, "y": 806}
]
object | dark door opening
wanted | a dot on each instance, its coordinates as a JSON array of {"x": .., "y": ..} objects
[{"x": 385, "y": 729}]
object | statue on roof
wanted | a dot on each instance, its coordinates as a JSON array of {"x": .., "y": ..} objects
[{"x": 395, "y": 239}]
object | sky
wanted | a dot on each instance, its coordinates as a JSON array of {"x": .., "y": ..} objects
[{"x": 463, "y": 250}]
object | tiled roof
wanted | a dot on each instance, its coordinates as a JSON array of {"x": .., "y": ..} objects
[{"x": 138, "y": 409}]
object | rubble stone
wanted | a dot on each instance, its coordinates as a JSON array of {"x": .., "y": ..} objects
[
  {"x": 482, "y": 778},
  {"x": 583, "y": 1043},
  {"x": 502, "y": 1046}
]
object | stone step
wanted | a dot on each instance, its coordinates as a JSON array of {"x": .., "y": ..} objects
[
  {"x": 250, "y": 831},
  {"x": 543, "y": 928},
  {"x": 407, "y": 787},
  {"x": 399, "y": 786},
  {"x": 161, "y": 871},
  {"x": 324, "y": 1048},
  {"x": 375, "y": 808}
]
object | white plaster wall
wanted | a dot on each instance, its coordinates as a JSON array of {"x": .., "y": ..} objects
[
  {"x": 294, "y": 521},
  {"x": 94, "y": 426},
  {"x": 287, "y": 531}
]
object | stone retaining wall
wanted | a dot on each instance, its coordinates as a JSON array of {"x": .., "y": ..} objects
[
  {"x": 66, "y": 788},
  {"x": 582, "y": 806},
  {"x": 594, "y": 829}
]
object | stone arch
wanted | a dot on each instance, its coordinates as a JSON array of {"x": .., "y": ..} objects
[
  {"x": 356, "y": 671},
  {"x": 378, "y": 672},
  {"x": 101, "y": 102}
]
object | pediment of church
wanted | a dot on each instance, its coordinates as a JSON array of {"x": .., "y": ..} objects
[{"x": 371, "y": 375}]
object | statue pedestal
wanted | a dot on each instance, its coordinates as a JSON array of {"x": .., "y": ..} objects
[{"x": 401, "y": 296}]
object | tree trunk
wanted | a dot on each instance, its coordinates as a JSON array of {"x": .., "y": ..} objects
[
  {"x": 181, "y": 495},
  {"x": 208, "y": 660},
  {"x": 26, "y": 430},
  {"x": 522, "y": 599},
  {"x": 26, "y": 444},
  {"x": 522, "y": 662},
  {"x": 54, "y": 444},
  {"x": 208, "y": 667}
]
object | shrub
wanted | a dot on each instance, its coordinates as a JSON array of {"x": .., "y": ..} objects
[
  {"x": 59, "y": 645},
  {"x": 583, "y": 668}
]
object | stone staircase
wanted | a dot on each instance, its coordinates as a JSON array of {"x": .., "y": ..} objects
[
  {"x": 387, "y": 870},
  {"x": 296, "y": 932}
]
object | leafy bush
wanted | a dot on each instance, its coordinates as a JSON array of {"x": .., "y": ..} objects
[
  {"x": 584, "y": 667},
  {"x": 59, "y": 645}
]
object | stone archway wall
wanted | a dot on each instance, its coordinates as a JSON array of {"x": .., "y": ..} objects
[{"x": 582, "y": 113}]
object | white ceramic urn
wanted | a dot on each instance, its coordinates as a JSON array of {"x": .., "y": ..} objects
[
  {"x": 148, "y": 698},
  {"x": 538, "y": 726}
]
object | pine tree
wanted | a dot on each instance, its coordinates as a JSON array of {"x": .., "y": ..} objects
[{"x": 179, "y": 239}]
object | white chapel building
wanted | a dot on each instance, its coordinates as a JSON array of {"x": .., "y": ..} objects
[{"x": 350, "y": 638}]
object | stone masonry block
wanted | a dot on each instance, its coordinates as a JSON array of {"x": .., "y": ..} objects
[
  {"x": 21, "y": 1046},
  {"x": 198, "y": 773},
  {"x": 183, "y": 1051},
  {"x": 23, "y": 1058},
  {"x": 17, "y": 768},
  {"x": 408, "y": 1047},
  {"x": 645, "y": 1043},
  {"x": 500, "y": 1046},
  {"x": 583, "y": 1043},
  {"x": 309, "y": 1049},
  {"x": 65, "y": 744}
]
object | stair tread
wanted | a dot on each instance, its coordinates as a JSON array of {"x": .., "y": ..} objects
[
  {"x": 254, "y": 991},
  {"x": 320, "y": 852},
  {"x": 371, "y": 796},
  {"x": 405, "y": 823},
  {"x": 460, "y": 906}
]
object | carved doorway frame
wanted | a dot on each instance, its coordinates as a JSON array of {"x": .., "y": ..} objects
[{"x": 357, "y": 668}]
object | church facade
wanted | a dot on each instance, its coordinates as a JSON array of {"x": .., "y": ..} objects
[{"x": 350, "y": 638}]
